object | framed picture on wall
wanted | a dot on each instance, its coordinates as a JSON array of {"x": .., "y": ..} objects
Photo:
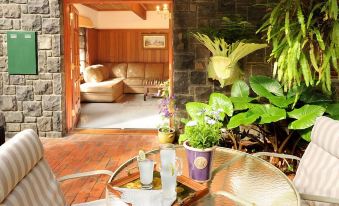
[{"x": 154, "y": 41}]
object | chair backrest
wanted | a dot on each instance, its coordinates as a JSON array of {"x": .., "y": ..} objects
[
  {"x": 25, "y": 177},
  {"x": 318, "y": 171}
]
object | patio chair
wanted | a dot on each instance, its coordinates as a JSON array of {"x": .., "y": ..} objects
[
  {"x": 317, "y": 177},
  {"x": 27, "y": 180}
]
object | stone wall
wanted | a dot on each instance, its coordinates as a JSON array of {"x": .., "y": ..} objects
[
  {"x": 33, "y": 101},
  {"x": 191, "y": 58}
]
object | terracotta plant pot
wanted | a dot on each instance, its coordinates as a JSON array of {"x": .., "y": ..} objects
[
  {"x": 199, "y": 162},
  {"x": 165, "y": 136}
]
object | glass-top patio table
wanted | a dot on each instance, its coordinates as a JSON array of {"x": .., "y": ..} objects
[{"x": 241, "y": 174}]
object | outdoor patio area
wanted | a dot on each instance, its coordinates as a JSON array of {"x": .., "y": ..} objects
[{"x": 169, "y": 103}]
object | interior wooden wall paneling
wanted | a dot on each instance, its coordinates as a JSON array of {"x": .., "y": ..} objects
[
  {"x": 92, "y": 46},
  {"x": 120, "y": 45}
]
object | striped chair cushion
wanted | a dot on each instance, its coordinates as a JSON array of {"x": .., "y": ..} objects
[
  {"x": 25, "y": 178},
  {"x": 318, "y": 171}
]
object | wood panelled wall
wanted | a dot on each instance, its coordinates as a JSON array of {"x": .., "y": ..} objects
[
  {"x": 91, "y": 46},
  {"x": 120, "y": 45}
]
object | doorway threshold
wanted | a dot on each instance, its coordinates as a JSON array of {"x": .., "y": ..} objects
[{"x": 114, "y": 131}]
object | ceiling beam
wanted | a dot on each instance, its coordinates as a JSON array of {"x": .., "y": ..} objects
[{"x": 139, "y": 10}]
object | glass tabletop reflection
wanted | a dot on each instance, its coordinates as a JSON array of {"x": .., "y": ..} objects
[{"x": 243, "y": 175}]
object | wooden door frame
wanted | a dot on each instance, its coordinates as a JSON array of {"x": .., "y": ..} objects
[{"x": 67, "y": 66}]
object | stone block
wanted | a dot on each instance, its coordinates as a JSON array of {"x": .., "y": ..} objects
[
  {"x": 183, "y": 62},
  {"x": 14, "y": 117},
  {"x": 38, "y": 6},
  {"x": 6, "y": 24},
  {"x": 1, "y": 11},
  {"x": 57, "y": 121},
  {"x": 46, "y": 76},
  {"x": 43, "y": 87},
  {"x": 44, "y": 124},
  {"x": 181, "y": 82},
  {"x": 47, "y": 113},
  {"x": 181, "y": 100},
  {"x": 202, "y": 94},
  {"x": 53, "y": 64},
  {"x": 57, "y": 84},
  {"x": 198, "y": 77},
  {"x": 185, "y": 19},
  {"x": 13, "y": 127},
  {"x": 24, "y": 93},
  {"x": 30, "y": 119},
  {"x": 8, "y": 103},
  {"x": 2, "y": 119},
  {"x": 202, "y": 52},
  {"x": 55, "y": 8},
  {"x": 18, "y": 1},
  {"x": 56, "y": 45},
  {"x": 53, "y": 134},
  {"x": 20, "y": 105},
  {"x": 11, "y": 11},
  {"x": 9, "y": 90},
  {"x": 31, "y": 22},
  {"x": 37, "y": 97},
  {"x": 31, "y": 77},
  {"x": 3, "y": 62},
  {"x": 17, "y": 24},
  {"x": 17, "y": 79},
  {"x": 51, "y": 103},
  {"x": 44, "y": 42},
  {"x": 32, "y": 109},
  {"x": 51, "y": 26},
  {"x": 29, "y": 126},
  {"x": 42, "y": 61}
]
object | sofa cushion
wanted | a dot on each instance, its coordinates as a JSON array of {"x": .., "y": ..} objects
[
  {"x": 93, "y": 73},
  {"x": 154, "y": 70},
  {"x": 100, "y": 87},
  {"x": 106, "y": 70},
  {"x": 119, "y": 70},
  {"x": 134, "y": 81},
  {"x": 136, "y": 70}
]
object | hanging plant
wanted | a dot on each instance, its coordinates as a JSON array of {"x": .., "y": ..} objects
[
  {"x": 223, "y": 65},
  {"x": 305, "y": 40}
]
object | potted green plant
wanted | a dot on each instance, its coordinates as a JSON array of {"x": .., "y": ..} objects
[
  {"x": 166, "y": 133},
  {"x": 223, "y": 64},
  {"x": 203, "y": 132}
]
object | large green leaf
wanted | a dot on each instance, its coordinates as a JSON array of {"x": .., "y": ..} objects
[
  {"x": 306, "y": 134},
  {"x": 196, "y": 110},
  {"x": 245, "y": 118},
  {"x": 333, "y": 110},
  {"x": 220, "y": 101},
  {"x": 305, "y": 116},
  {"x": 269, "y": 113},
  {"x": 240, "y": 89},
  {"x": 242, "y": 103},
  {"x": 265, "y": 86},
  {"x": 281, "y": 101}
]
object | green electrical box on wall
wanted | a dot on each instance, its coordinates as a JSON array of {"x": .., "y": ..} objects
[{"x": 22, "y": 52}]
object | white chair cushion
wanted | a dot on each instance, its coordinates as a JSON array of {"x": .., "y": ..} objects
[
  {"x": 17, "y": 157},
  {"x": 104, "y": 202},
  {"x": 318, "y": 171}
]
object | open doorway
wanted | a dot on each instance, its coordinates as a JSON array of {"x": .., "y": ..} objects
[{"x": 123, "y": 57}]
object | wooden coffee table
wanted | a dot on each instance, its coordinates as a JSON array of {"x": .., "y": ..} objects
[{"x": 147, "y": 89}]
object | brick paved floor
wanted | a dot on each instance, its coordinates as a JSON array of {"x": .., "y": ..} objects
[{"x": 81, "y": 153}]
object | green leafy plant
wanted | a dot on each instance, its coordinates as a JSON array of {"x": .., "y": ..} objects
[
  {"x": 203, "y": 129},
  {"x": 272, "y": 105},
  {"x": 305, "y": 40},
  {"x": 223, "y": 64}
]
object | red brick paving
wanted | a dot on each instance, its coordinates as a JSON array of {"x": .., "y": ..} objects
[{"x": 82, "y": 153}]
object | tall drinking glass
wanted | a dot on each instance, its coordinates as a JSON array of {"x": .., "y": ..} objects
[
  {"x": 146, "y": 167},
  {"x": 171, "y": 167}
]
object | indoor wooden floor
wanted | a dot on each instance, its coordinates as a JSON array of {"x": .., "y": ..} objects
[{"x": 82, "y": 152}]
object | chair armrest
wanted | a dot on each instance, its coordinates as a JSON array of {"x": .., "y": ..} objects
[
  {"x": 270, "y": 154},
  {"x": 86, "y": 174},
  {"x": 318, "y": 198},
  {"x": 234, "y": 198}
]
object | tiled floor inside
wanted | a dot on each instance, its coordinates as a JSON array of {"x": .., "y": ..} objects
[{"x": 81, "y": 153}]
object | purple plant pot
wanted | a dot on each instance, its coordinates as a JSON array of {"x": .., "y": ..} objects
[{"x": 199, "y": 162}]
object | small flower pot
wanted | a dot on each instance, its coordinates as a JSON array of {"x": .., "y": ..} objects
[
  {"x": 199, "y": 162},
  {"x": 166, "y": 136}
]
